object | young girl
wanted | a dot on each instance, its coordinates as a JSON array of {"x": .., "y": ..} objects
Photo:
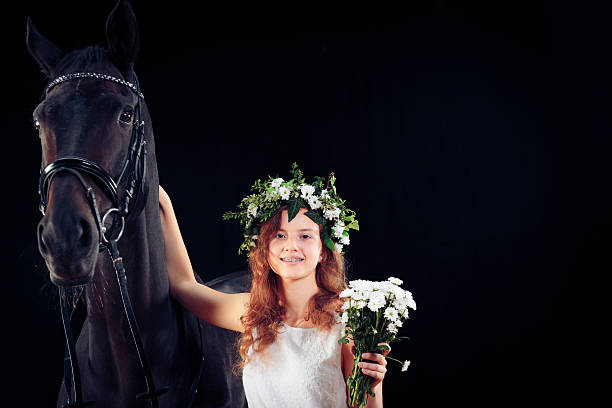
[{"x": 289, "y": 322}]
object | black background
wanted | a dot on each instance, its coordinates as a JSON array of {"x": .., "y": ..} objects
[{"x": 471, "y": 139}]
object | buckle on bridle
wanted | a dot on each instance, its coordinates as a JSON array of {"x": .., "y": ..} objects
[{"x": 103, "y": 225}]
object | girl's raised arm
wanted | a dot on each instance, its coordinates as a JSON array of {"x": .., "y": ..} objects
[{"x": 218, "y": 308}]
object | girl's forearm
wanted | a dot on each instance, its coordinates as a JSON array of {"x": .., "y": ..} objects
[{"x": 377, "y": 400}]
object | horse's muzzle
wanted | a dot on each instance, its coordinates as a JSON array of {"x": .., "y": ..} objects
[{"x": 68, "y": 240}]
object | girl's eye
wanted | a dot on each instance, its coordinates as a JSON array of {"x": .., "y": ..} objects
[
  {"x": 126, "y": 116},
  {"x": 305, "y": 236},
  {"x": 279, "y": 235}
]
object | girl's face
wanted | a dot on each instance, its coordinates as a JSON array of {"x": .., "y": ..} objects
[{"x": 295, "y": 249}]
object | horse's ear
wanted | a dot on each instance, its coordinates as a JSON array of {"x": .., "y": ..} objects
[
  {"x": 46, "y": 54},
  {"x": 122, "y": 36}
]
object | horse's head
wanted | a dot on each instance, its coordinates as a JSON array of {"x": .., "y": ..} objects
[{"x": 88, "y": 121}]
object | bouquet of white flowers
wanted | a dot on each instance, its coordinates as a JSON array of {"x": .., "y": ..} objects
[{"x": 372, "y": 313}]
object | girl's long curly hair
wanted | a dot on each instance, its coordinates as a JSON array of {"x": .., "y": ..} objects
[{"x": 265, "y": 310}]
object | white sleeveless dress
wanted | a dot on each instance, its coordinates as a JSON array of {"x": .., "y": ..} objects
[{"x": 301, "y": 369}]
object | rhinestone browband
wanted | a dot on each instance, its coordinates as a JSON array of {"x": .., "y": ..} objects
[{"x": 80, "y": 75}]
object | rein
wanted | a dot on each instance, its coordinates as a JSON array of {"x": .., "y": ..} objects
[{"x": 135, "y": 169}]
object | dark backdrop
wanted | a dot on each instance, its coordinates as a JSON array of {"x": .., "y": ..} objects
[{"x": 454, "y": 133}]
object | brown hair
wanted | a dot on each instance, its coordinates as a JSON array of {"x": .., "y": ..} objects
[{"x": 265, "y": 310}]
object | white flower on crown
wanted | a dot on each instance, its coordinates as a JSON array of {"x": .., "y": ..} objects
[
  {"x": 307, "y": 190},
  {"x": 338, "y": 229},
  {"x": 313, "y": 202},
  {"x": 252, "y": 210},
  {"x": 345, "y": 240},
  {"x": 276, "y": 183},
  {"x": 331, "y": 213},
  {"x": 339, "y": 247},
  {"x": 284, "y": 192},
  {"x": 324, "y": 194}
]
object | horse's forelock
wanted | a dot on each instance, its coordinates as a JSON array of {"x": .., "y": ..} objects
[{"x": 82, "y": 60}]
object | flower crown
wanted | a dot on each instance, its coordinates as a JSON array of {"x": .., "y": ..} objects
[{"x": 324, "y": 206}]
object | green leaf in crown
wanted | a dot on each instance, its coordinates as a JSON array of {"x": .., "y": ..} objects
[{"x": 324, "y": 205}]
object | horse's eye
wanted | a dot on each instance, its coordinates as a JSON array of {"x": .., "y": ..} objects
[
  {"x": 126, "y": 116},
  {"x": 36, "y": 125}
]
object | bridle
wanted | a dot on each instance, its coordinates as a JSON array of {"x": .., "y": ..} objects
[{"x": 134, "y": 168}]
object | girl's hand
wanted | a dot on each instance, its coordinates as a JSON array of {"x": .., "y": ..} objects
[{"x": 377, "y": 367}]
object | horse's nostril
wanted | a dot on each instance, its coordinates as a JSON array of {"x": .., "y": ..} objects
[{"x": 84, "y": 234}]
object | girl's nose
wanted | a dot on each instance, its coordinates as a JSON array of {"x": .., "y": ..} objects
[{"x": 291, "y": 244}]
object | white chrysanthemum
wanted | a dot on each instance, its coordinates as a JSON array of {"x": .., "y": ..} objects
[
  {"x": 402, "y": 309},
  {"x": 359, "y": 294},
  {"x": 307, "y": 190},
  {"x": 347, "y": 293},
  {"x": 395, "y": 281},
  {"x": 313, "y": 202},
  {"x": 403, "y": 299},
  {"x": 405, "y": 365},
  {"x": 324, "y": 194},
  {"x": 338, "y": 229},
  {"x": 346, "y": 305},
  {"x": 339, "y": 247},
  {"x": 252, "y": 210},
  {"x": 406, "y": 299},
  {"x": 391, "y": 313},
  {"x": 360, "y": 304},
  {"x": 377, "y": 300},
  {"x": 396, "y": 291},
  {"x": 360, "y": 284},
  {"x": 389, "y": 288},
  {"x": 284, "y": 192},
  {"x": 276, "y": 183},
  {"x": 345, "y": 240},
  {"x": 331, "y": 213},
  {"x": 391, "y": 328}
]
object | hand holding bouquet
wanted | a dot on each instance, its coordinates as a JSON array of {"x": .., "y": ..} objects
[{"x": 372, "y": 313}]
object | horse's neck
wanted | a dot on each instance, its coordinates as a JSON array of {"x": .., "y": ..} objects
[{"x": 142, "y": 251}]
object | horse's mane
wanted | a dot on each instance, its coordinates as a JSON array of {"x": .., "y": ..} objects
[{"x": 79, "y": 60}]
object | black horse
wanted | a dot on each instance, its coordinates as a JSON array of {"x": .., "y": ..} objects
[{"x": 88, "y": 120}]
